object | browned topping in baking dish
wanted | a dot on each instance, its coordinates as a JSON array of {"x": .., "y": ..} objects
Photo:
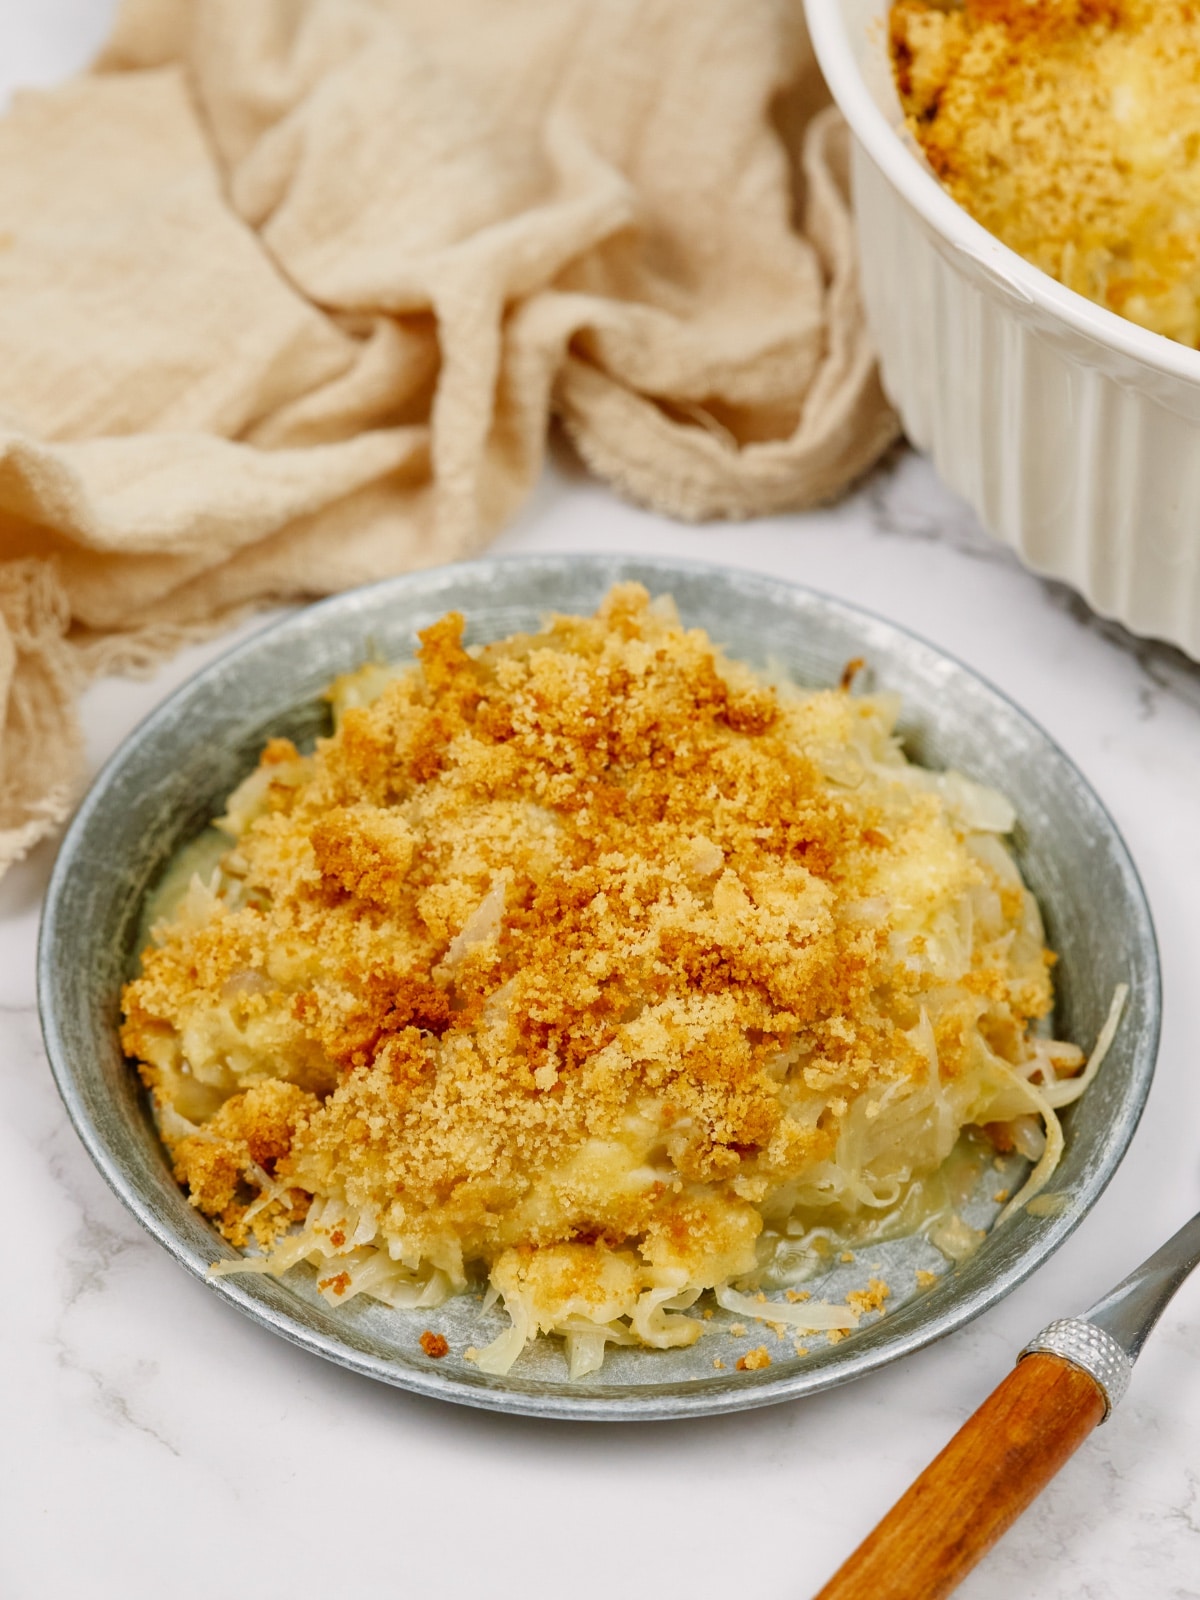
[
  {"x": 591, "y": 966},
  {"x": 1071, "y": 130}
]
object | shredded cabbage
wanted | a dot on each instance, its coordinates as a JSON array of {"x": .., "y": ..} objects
[{"x": 805, "y": 1316}]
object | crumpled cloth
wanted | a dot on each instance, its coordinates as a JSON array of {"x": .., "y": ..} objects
[{"x": 291, "y": 289}]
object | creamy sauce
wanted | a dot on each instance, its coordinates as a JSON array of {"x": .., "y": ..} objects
[{"x": 199, "y": 857}]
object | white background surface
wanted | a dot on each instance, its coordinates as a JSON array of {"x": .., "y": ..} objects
[{"x": 157, "y": 1444}]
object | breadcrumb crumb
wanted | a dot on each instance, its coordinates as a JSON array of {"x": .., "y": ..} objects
[{"x": 869, "y": 1299}]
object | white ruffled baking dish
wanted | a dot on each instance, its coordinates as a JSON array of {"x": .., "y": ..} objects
[{"x": 1074, "y": 433}]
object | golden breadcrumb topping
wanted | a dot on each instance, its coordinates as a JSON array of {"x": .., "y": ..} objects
[
  {"x": 1071, "y": 130},
  {"x": 585, "y": 961}
]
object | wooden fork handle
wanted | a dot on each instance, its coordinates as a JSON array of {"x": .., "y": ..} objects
[{"x": 996, "y": 1465}]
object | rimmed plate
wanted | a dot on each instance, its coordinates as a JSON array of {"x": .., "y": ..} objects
[{"x": 172, "y": 774}]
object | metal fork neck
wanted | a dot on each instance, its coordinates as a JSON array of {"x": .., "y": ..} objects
[
  {"x": 1105, "y": 1341},
  {"x": 1129, "y": 1312}
]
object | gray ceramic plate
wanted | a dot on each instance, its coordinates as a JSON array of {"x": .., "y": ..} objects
[{"x": 170, "y": 778}]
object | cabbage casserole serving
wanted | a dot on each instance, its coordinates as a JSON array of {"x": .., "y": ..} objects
[{"x": 595, "y": 970}]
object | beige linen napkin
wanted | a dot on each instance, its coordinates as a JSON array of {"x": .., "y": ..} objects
[{"x": 289, "y": 290}]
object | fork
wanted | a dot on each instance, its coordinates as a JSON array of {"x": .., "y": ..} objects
[{"x": 1066, "y": 1382}]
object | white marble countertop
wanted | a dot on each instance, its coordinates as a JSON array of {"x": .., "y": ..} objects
[{"x": 157, "y": 1443}]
